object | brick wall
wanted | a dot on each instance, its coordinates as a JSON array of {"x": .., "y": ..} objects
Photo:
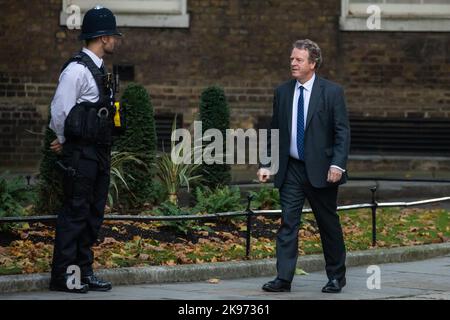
[
  {"x": 241, "y": 45},
  {"x": 396, "y": 74},
  {"x": 23, "y": 117}
]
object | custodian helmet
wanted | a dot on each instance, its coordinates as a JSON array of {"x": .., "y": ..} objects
[{"x": 98, "y": 22}]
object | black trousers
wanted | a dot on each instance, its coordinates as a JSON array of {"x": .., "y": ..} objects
[
  {"x": 80, "y": 219},
  {"x": 323, "y": 203}
]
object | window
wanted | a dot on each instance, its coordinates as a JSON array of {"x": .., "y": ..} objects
[
  {"x": 396, "y": 15},
  {"x": 125, "y": 72},
  {"x": 135, "y": 13}
]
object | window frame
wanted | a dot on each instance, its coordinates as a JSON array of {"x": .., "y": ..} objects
[
  {"x": 137, "y": 13},
  {"x": 397, "y": 17}
]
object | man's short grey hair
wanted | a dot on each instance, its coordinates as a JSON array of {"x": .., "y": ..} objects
[{"x": 315, "y": 54}]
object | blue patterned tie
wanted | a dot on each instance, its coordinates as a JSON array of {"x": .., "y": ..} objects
[{"x": 301, "y": 126}]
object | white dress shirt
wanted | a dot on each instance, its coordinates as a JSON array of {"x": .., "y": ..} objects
[
  {"x": 76, "y": 85},
  {"x": 308, "y": 85}
]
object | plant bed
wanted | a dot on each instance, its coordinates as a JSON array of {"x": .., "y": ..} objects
[{"x": 28, "y": 248}]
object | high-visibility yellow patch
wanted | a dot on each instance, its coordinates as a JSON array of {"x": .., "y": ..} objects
[{"x": 117, "y": 121}]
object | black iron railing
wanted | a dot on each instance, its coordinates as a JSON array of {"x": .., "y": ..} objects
[{"x": 248, "y": 212}]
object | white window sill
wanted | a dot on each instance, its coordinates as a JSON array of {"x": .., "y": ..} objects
[
  {"x": 144, "y": 20},
  {"x": 397, "y": 24},
  {"x": 150, "y": 13}
]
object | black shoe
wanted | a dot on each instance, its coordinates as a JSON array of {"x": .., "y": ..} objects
[
  {"x": 96, "y": 284},
  {"x": 60, "y": 284},
  {"x": 277, "y": 285},
  {"x": 334, "y": 286}
]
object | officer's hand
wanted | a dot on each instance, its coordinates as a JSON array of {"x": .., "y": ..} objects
[
  {"x": 263, "y": 175},
  {"x": 56, "y": 147},
  {"x": 334, "y": 175}
]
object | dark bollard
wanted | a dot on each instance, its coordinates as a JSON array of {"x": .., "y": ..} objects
[
  {"x": 249, "y": 214},
  {"x": 374, "y": 216},
  {"x": 28, "y": 180}
]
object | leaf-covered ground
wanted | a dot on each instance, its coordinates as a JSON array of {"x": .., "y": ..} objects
[{"x": 28, "y": 248}]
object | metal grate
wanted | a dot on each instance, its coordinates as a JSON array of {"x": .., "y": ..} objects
[
  {"x": 163, "y": 124},
  {"x": 401, "y": 136}
]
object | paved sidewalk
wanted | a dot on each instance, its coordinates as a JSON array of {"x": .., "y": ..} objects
[{"x": 427, "y": 279}]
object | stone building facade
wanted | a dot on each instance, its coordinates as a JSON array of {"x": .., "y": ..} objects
[{"x": 241, "y": 45}]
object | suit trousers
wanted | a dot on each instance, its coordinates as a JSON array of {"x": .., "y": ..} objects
[
  {"x": 295, "y": 189},
  {"x": 80, "y": 220}
]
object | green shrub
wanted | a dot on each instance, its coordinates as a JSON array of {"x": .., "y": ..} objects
[
  {"x": 14, "y": 195},
  {"x": 168, "y": 208},
  {"x": 215, "y": 114},
  {"x": 221, "y": 199},
  {"x": 174, "y": 176},
  {"x": 139, "y": 139},
  {"x": 120, "y": 179},
  {"x": 266, "y": 199},
  {"x": 159, "y": 192},
  {"x": 50, "y": 179}
]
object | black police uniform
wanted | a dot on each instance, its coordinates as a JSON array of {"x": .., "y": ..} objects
[
  {"x": 88, "y": 131},
  {"x": 86, "y": 155}
]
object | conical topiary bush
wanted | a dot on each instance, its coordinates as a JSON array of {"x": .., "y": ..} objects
[
  {"x": 215, "y": 114},
  {"x": 140, "y": 140}
]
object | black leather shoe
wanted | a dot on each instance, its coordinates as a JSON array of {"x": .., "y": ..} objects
[
  {"x": 96, "y": 284},
  {"x": 277, "y": 285},
  {"x": 60, "y": 284},
  {"x": 334, "y": 286}
]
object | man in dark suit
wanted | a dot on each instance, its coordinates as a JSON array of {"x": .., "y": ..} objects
[{"x": 311, "y": 116}]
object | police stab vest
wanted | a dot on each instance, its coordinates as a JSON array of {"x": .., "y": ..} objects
[{"x": 92, "y": 123}]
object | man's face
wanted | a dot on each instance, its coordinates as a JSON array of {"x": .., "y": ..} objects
[
  {"x": 109, "y": 43},
  {"x": 301, "y": 68}
]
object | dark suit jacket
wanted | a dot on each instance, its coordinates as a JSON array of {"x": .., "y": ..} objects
[{"x": 327, "y": 131}]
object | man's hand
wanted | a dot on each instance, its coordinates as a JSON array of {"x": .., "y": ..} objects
[
  {"x": 263, "y": 175},
  {"x": 56, "y": 147},
  {"x": 334, "y": 175}
]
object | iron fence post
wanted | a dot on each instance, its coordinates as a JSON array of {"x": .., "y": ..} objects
[
  {"x": 374, "y": 216},
  {"x": 249, "y": 214}
]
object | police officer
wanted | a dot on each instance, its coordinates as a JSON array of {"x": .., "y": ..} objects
[{"x": 82, "y": 117}]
